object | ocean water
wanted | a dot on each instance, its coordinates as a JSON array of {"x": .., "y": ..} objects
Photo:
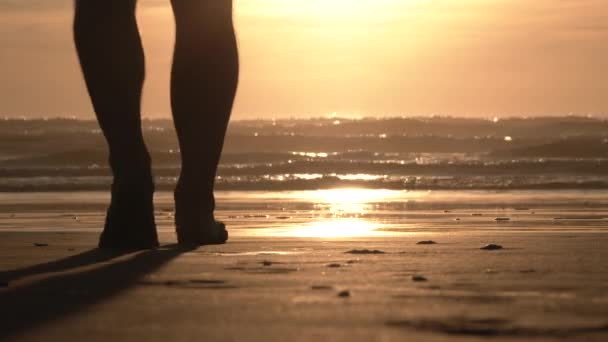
[{"x": 415, "y": 154}]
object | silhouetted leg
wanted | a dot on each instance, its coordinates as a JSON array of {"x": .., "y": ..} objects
[
  {"x": 112, "y": 61},
  {"x": 203, "y": 86}
]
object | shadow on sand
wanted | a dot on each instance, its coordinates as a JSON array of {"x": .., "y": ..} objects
[{"x": 32, "y": 305}]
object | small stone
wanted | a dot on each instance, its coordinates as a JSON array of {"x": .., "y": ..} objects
[
  {"x": 502, "y": 219},
  {"x": 476, "y": 214},
  {"x": 418, "y": 278},
  {"x": 491, "y": 247},
  {"x": 334, "y": 265},
  {"x": 426, "y": 242},
  {"x": 353, "y": 261},
  {"x": 344, "y": 294},
  {"x": 267, "y": 263},
  {"x": 71, "y": 249},
  {"x": 41, "y": 244}
]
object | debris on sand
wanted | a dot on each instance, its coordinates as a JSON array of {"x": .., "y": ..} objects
[
  {"x": 491, "y": 247},
  {"x": 41, "y": 244},
  {"x": 365, "y": 251},
  {"x": 344, "y": 294},
  {"x": 426, "y": 242},
  {"x": 476, "y": 214},
  {"x": 266, "y": 263},
  {"x": 321, "y": 287},
  {"x": 502, "y": 219},
  {"x": 418, "y": 278},
  {"x": 71, "y": 249},
  {"x": 353, "y": 261},
  {"x": 334, "y": 265}
]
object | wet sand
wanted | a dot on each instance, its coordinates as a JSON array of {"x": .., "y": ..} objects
[{"x": 549, "y": 282}]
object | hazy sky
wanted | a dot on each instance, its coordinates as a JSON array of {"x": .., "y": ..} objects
[{"x": 352, "y": 57}]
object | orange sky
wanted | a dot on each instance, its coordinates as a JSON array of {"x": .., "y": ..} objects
[{"x": 352, "y": 57}]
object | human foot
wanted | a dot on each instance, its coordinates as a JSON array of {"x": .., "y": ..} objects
[
  {"x": 202, "y": 232},
  {"x": 130, "y": 219},
  {"x": 194, "y": 220}
]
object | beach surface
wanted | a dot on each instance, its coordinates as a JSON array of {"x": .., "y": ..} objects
[{"x": 345, "y": 265}]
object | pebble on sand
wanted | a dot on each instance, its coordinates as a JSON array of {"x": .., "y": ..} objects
[
  {"x": 40, "y": 244},
  {"x": 502, "y": 219},
  {"x": 334, "y": 265},
  {"x": 344, "y": 294},
  {"x": 365, "y": 251},
  {"x": 491, "y": 247},
  {"x": 426, "y": 242},
  {"x": 266, "y": 263},
  {"x": 418, "y": 278}
]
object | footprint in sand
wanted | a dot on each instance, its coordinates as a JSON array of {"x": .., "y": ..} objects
[
  {"x": 365, "y": 251},
  {"x": 497, "y": 327},
  {"x": 321, "y": 287},
  {"x": 210, "y": 284}
]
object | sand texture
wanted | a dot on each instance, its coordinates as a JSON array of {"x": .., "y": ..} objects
[{"x": 541, "y": 286}]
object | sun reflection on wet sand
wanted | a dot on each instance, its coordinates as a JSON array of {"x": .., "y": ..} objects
[
  {"x": 349, "y": 202},
  {"x": 338, "y": 228},
  {"x": 346, "y": 206}
]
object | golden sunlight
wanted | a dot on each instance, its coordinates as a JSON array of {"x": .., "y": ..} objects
[
  {"x": 339, "y": 228},
  {"x": 345, "y": 206}
]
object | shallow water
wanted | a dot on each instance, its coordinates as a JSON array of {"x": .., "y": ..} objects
[{"x": 337, "y": 213}]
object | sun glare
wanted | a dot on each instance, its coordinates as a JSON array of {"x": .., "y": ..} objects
[
  {"x": 346, "y": 206},
  {"x": 339, "y": 228}
]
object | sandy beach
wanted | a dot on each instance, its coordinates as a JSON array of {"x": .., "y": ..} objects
[{"x": 548, "y": 282}]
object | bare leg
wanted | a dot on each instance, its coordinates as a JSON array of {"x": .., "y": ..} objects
[
  {"x": 112, "y": 61},
  {"x": 203, "y": 86}
]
